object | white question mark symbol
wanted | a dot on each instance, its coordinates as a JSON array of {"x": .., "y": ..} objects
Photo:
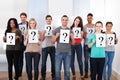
[
  {"x": 33, "y": 33},
  {"x": 65, "y": 35}
]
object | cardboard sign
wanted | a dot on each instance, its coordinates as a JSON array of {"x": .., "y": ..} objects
[
  {"x": 76, "y": 32},
  {"x": 64, "y": 36},
  {"x": 100, "y": 40},
  {"x": 111, "y": 39},
  {"x": 33, "y": 36},
  {"x": 10, "y": 38},
  {"x": 48, "y": 29}
]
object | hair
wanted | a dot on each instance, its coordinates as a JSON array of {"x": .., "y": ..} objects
[
  {"x": 90, "y": 14},
  {"x": 79, "y": 25},
  {"x": 109, "y": 23},
  {"x": 23, "y": 14},
  {"x": 32, "y": 19},
  {"x": 8, "y": 25},
  {"x": 48, "y": 16},
  {"x": 99, "y": 22},
  {"x": 64, "y": 16}
]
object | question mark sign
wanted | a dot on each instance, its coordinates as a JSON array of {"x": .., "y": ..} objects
[
  {"x": 22, "y": 29},
  {"x": 101, "y": 39},
  {"x": 90, "y": 31},
  {"x": 48, "y": 28},
  {"x": 77, "y": 32},
  {"x": 65, "y": 35},
  {"x": 33, "y": 33},
  {"x": 11, "y": 37},
  {"x": 110, "y": 38}
]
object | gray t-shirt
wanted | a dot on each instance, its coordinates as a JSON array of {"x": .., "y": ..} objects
[
  {"x": 62, "y": 47},
  {"x": 110, "y": 48}
]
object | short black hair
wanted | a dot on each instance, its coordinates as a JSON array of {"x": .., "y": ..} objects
[
  {"x": 109, "y": 22},
  {"x": 64, "y": 16},
  {"x": 90, "y": 14},
  {"x": 99, "y": 22},
  {"x": 48, "y": 16},
  {"x": 23, "y": 14}
]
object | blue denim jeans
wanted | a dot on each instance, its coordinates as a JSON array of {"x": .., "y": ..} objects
[
  {"x": 30, "y": 59},
  {"x": 64, "y": 57},
  {"x": 45, "y": 52},
  {"x": 109, "y": 56},
  {"x": 86, "y": 57},
  {"x": 78, "y": 50}
]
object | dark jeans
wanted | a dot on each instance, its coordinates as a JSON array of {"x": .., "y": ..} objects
[
  {"x": 13, "y": 58},
  {"x": 78, "y": 50},
  {"x": 45, "y": 52},
  {"x": 86, "y": 56},
  {"x": 96, "y": 68},
  {"x": 30, "y": 58},
  {"x": 21, "y": 61}
]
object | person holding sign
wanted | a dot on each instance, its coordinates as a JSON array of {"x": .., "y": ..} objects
[
  {"x": 47, "y": 48},
  {"x": 77, "y": 27},
  {"x": 13, "y": 51},
  {"x": 109, "y": 50},
  {"x": 88, "y": 29},
  {"x": 23, "y": 27},
  {"x": 32, "y": 52},
  {"x": 63, "y": 50},
  {"x": 97, "y": 56}
]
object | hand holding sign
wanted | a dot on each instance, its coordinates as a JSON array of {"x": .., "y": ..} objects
[
  {"x": 64, "y": 36},
  {"x": 10, "y": 38},
  {"x": 100, "y": 40},
  {"x": 48, "y": 29},
  {"x": 22, "y": 28},
  {"x": 111, "y": 39},
  {"x": 33, "y": 36},
  {"x": 76, "y": 32}
]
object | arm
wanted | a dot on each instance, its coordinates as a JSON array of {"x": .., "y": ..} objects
[
  {"x": 26, "y": 39},
  {"x": 4, "y": 38},
  {"x": 72, "y": 39},
  {"x": 54, "y": 38},
  {"x": 91, "y": 44},
  {"x": 40, "y": 38}
]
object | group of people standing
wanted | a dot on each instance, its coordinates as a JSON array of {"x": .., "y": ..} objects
[{"x": 62, "y": 53}]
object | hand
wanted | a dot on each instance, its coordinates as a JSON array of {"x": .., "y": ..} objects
[
  {"x": 71, "y": 35},
  {"x": 4, "y": 38},
  {"x": 17, "y": 37},
  {"x": 44, "y": 31},
  {"x": 93, "y": 41},
  {"x": 57, "y": 35},
  {"x": 85, "y": 34},
  {"x": 27, "y": 36}
]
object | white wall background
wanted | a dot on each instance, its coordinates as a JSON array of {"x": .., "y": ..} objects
[{"x": 104, "y": 10}]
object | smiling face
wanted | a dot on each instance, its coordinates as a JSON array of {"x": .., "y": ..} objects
[
  {"x": 64, "y": 21},
  {"x": 48, "y": 20},
  {"x": 98, "y": 27},
  {"x": 12, "y": 24},
  {"x": 76, "y": 22},
  {"x": 89, "y": 19},
  {"x": 23, "y": 18},
  {"x": 32, "y": 24},
  {"x": 109, "y": 27}
]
